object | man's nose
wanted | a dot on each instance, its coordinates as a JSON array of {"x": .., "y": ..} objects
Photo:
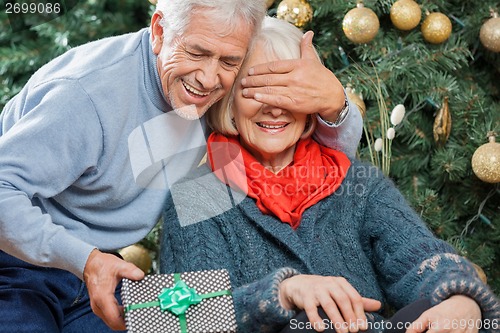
[{"x": 208, "y": 76}]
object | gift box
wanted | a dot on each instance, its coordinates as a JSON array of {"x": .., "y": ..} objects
[{"x": 191, "y": 302}]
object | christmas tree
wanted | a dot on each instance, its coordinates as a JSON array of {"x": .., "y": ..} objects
[
  {"x": 29, "y": 39},
  {"x": 442, "y": 76},
  {"x": 444, "y": 69}
]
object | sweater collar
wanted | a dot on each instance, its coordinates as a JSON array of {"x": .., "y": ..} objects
[
  {"x": 316, "y": 172},
  {"x": 152, "y": 80}
]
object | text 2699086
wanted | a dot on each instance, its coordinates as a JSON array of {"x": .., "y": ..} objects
[{"x": 32, "y": 8}]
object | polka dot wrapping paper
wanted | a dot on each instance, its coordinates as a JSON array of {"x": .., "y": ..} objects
[{"x": 210, "y": 315}]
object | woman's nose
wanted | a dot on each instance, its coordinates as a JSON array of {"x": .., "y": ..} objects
[{"x": 274, "y": 111}]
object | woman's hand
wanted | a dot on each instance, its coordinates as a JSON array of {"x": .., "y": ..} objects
[
  {"x": 457, "y": 314},
  {"x": 342, "y": 303}
]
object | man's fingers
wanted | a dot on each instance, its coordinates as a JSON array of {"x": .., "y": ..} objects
[
  {"x": 306, "y": 46},
  {"x": 106, "y": 307},
  {"x": 266, "y": 80},
  {"x": 274, "y": 96},
  {"x": 273, "y": 67},
  {"x": 108, "y": 310},
  {"x": 264, "y": 91},
  {"x": 286, "y": 66},
  {"x": 102, "y": 274},
  {"x": 131, "y": 272}
]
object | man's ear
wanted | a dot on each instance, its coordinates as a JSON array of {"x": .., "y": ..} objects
[{"x": 156, "y": 32}]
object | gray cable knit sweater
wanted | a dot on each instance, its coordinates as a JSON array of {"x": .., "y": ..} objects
[{"x": 365, "y": 232}]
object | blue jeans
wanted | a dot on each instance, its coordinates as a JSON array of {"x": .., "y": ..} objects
[{"x": 45, "y": 300}]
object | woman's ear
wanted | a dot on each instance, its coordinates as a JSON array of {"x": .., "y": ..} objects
[{"x": 156, "y": 32}]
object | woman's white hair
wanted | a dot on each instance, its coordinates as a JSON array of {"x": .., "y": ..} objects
[
  {"x": 279, "y": 40},
  {"x": 178, "y": 14}
]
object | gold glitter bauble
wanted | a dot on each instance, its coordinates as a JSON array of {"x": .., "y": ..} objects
[
  {"x": 436, "y": 28},
  {"x": 405, "y": 14},
  {"x": 486, "y": 161},
  {"x": 480, "y": 273},
  {"x": 137, "y": 255},
  {"x": 269, "y": 3},
  {"x": 297, "y": 12},
  {"x": 490, "y": 34},
  {"x": 360, "y": 24},
  {"x": 357, "y": 99}
]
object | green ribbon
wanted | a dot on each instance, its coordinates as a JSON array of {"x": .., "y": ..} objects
[{"x": 177, "y": 300}]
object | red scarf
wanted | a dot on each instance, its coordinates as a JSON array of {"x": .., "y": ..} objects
[{"x": 316, "y": 172}]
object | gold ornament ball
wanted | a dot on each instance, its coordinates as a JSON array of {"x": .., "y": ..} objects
[
  {"x": 436, "y": 28},
  {"x": 360, "y": 25},
  {"x": 297, "y": 12},
  {"x": 405, "y": 14},
  {"x": 357, "y": 99},
  {"x": 137, "y": 255},
  {"x": 153, "y": 2},
  {"x": 486, "y": 162},
  {"x": 490, "y": 34},
  {"x": 480, "y": 272},
  {"x": 269, "y": 3}
]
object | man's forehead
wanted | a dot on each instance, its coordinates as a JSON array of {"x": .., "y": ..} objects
[
  {"x": 238, "y": 28},
  {"x": 232, "y": 44}
]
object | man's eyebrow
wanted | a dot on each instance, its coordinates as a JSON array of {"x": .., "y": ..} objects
[
  {"x": 201, "y": 49},
  {"x": 233, "y": 59}
]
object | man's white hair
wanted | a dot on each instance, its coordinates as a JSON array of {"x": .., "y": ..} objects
[{"x": 177, "y": 14}]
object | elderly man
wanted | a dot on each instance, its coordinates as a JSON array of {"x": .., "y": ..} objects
[{"x": 84, "y": 145}]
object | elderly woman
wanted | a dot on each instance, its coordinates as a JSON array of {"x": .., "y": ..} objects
[{"x": 302, "y": 227}]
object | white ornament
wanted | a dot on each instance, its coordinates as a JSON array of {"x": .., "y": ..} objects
[
  {"x": 391, "y": 133},
  {"x": 397, "y": 114},
  {"x": 378, "y": 144}
]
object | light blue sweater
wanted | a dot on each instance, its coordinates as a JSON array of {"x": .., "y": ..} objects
[
  {"x": 85, "y": 150},
  {"x": 364, "y": 232}
]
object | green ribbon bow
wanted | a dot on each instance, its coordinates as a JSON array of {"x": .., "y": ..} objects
[{"x": 177, "y": 300}]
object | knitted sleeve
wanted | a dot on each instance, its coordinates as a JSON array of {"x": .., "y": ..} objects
[
  {"x": 413, "y": 263},
  {"x": 257, "y": 304}
]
